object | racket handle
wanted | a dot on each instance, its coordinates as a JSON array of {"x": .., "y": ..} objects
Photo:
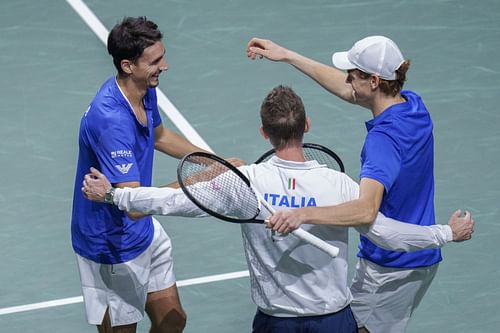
[{"x": 333, "y": 251}]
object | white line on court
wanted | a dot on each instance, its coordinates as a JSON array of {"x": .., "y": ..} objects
[
  {"x": 166, "y": 106},
  {"x": 79, "y": 299},
  {"x": 180, "y": 122}
]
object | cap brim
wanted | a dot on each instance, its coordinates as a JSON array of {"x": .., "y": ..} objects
[{"x": 340, "y": 61}]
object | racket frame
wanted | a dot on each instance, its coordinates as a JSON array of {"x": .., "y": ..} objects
[
  {"x": 230, "y": 167},
  {"x": 315, "y": 146}
]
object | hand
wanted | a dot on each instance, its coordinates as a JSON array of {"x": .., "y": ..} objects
[
  {"x": 286, "y": 221},
  {"x": 265, "y": 48},
  {"x": 236, "y": 162},
  {"x": 461, "y": 226},
  {"x": 95, "y": 185}
]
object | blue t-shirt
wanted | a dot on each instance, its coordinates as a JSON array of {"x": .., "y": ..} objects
[
  {"x": 399, "y": 153},
  {"x": 112, "y": 140}
]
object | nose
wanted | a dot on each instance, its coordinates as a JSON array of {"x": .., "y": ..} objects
[{"x": 163, "y": 65}]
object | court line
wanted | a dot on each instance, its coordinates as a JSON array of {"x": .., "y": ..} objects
[
  {"x": 165, "y": 104},
  {"x": 79, "y": 299}
]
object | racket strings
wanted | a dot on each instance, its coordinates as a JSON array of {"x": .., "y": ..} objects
[
  {"x": 321, "y": 157},
  {"x": 218, "y": 188}
]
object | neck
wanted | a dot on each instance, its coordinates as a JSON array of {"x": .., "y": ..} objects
[
  {"x": 130, "y": 89},
  {"x": 382, "y": 103},
  {"x": 291, "y": 153}
]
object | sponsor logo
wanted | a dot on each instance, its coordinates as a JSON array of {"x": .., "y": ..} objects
[
  {"x": 124, "y": 168},
  {"x": 121, "y": 153}
]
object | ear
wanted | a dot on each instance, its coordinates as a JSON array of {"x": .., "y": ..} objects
[
  {"x": 126, "y": 66},
  {"x": 308, "y": 125},
  {"x": 374, "y": 81},
  {"x": 263, "y": 133}
]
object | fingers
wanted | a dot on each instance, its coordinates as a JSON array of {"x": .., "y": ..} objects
[
  {"x": 95, "y": 172},
  {"x": 457, "y": 213},
  {"x": 237, "y": 162},
  {"x": 258, "y": 47},
  {"x": 283, "y": 222}
]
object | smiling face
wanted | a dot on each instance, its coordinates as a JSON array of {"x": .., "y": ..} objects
[{"x": 145, "y": 71}]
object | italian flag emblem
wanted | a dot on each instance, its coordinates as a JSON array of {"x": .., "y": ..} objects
[{"x": 291, "y": 183}]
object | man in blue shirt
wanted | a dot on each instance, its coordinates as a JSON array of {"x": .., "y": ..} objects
[
  {"x": 396, "y": 175},
  {"x": 125, "y": 259}
]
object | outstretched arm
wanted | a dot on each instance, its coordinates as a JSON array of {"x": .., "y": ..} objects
[
  {"x": 140, "y": 200},
  {"x": 328, "y": 77},
  {"x": 398, "y": 236}
]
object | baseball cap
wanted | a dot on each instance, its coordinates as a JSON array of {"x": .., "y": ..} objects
[{"x": 373, "y": 55}]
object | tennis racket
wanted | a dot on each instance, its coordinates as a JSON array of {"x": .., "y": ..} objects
[
  {"x": 313, "y": 151},
  {"x": 221, "y": 190}
]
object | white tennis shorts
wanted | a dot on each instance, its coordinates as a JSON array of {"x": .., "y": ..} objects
[
  {"x": 124, "y": 287},
  {"x": 384, "y": 298}
]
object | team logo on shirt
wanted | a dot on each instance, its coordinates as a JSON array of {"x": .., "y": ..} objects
[
  {"x": 291, "y": 183},
  {"x": 124, "y": 168},
  {"x": 289, "y": 201}
]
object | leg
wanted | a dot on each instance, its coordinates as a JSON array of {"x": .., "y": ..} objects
[
  {"x": 106, "y": 327},
  {"x": 165, "y": 311}
]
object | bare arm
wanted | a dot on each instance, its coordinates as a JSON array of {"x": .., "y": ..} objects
[
  {"x": 173, "y": 144},
  {"x": 328, "y": 77},
  {"x": 361, "y": 211}
]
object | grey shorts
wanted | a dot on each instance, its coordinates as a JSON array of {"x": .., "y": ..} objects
[
  {"x": 384, "y": 298},
  {"x": 123, "y": 287}
]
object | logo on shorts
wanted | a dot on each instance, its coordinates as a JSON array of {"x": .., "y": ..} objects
[{"x": 124, "y": 168}]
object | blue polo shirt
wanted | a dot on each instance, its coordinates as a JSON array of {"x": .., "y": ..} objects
[
  {"x": 399, "y": 153},
  {"x": 112, "y": 140}
]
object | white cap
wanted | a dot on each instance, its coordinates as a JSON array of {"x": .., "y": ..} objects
[{"x": 373, "y": 55}]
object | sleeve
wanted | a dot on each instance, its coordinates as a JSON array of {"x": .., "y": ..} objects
[
  {"x": 380, "y": 159},
  {"x": 405, "y": 237},
  {"x": 156, "y": 201},
  {"x": 115, "y": 149},
  {"x": 350, "y": 189}
]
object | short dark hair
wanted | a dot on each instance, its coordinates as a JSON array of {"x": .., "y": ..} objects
[
  {"x": 283, "y": 117},
  {"x": 129, "y": 38}
]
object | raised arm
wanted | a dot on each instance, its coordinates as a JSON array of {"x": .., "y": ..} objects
[{"x": 328, "y": 77}]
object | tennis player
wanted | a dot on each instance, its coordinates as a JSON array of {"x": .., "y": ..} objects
[
  {"x": 125, "y": 259},
  {"x": 397, "y": 162},
  {"x": 296, "y": 287}
]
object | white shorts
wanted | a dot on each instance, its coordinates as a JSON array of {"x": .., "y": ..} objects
[
  {"x": 384, "y": 298},
  {"x": 124, "y": 287}
]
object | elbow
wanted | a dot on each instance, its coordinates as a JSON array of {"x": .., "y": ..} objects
[{"x": 368, "y": 216}]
